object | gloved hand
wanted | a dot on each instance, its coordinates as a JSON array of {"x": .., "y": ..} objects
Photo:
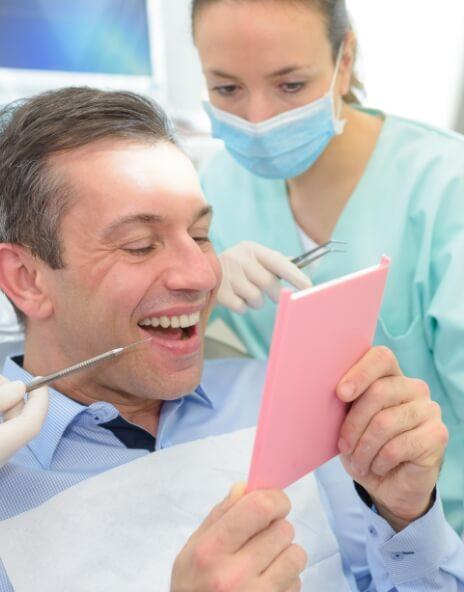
[
  {"x": 21, "y": 420},
  {"x": 251, "y": 270}
]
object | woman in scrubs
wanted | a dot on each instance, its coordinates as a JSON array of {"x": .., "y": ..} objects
[{"x": 305, "y": 163}]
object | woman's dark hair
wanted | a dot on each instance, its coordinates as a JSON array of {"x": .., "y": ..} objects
[{"x": 334, "y": 12}]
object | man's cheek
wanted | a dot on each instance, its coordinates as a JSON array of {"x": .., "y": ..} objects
[{"x": 217, "y": 270}]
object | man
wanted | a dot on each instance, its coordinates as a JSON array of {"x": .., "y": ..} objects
[{"x": 104, "y": 234}]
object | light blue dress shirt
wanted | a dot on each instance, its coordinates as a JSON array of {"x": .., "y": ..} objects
[{"x": 73, "y": 446}]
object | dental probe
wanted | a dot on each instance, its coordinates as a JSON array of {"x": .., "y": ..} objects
[{"x": 114, "y": 353}]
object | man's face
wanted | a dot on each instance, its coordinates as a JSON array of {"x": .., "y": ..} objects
[{"x": 138, "y": 264}]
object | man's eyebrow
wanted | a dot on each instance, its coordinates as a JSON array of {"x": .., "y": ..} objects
[
  {"x": 148, "y": 219},
  {"x": 132, "y": 219},
  {"x": 205, "y": 211}
]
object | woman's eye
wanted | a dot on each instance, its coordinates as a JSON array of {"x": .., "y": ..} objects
[
  {"x": 225, "y": 90},
  {"x": 292, "y": 87}
]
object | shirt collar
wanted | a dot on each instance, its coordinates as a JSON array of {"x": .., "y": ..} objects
[
  {"x": 62, "y": 411},
  {"x": 200, "y": 395}
]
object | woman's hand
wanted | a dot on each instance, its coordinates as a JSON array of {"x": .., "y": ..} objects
[
  {"x": 22, "y": 420},
  {"x": 251, "y": 270}
]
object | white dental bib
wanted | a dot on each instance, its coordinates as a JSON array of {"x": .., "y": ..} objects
[{"x": 122, "y": 530}]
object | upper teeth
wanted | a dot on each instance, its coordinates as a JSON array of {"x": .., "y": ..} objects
[{"x": 174, "y": 322}]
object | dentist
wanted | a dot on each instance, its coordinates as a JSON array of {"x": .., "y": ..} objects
[{"x": 305, "y": 163}]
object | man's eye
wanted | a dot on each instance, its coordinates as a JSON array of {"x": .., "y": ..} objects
[
  {"x": 292, "y": 87},
  {"x": 139, "y": 250},
  {"x": 201, "y": 239},
  {"x": 225, "y": 90}
]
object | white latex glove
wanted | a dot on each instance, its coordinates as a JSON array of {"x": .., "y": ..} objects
[
  {"x": 251, "y": 270},
  {"x": 21, "y": 420}
]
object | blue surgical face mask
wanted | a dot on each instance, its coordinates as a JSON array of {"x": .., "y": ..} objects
[{"x": 284, "y": 146}]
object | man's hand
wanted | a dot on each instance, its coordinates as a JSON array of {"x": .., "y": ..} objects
[
  {"x": 244, "y": 545},
  {"x": 393, "y": 439},
  {"x": 21, "y": 421}
]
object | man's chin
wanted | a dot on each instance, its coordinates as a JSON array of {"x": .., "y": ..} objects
[{"x": 173, "y": 384}]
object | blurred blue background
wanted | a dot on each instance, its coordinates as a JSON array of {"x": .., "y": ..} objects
[{"x": 104, "y": 36}]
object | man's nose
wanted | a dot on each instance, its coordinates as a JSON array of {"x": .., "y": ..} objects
[{"x": 190, "y": 268}]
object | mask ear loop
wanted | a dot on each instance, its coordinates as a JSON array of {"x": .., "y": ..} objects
[{"x": 334, "y": 80}]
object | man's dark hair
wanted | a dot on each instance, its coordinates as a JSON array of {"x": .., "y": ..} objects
[{"x": 32, "y": 198}]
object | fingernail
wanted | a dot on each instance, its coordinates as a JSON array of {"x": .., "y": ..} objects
[
  {"x": 237, "y": 491},
  {"x": 343, "y": 446},
  {"x": 346, "y": 390}
]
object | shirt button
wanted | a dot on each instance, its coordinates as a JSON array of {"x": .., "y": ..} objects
[
  {"x": 372, "y": 531},
  {"x": 397, "y": 556}
]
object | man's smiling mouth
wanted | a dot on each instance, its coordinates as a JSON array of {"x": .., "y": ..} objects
[{"x": 173, "y": 327}]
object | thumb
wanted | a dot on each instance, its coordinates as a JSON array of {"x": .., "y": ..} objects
[
  {"x": 237, "y": 491},
  {"x": 235, "y": 494}
]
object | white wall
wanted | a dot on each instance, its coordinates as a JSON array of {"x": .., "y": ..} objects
[
  {"x": 185, "y": 81},
  {"x": 412, "y": 54}
]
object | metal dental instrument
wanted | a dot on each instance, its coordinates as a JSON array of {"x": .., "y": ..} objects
[
  {"x": 114, "y": 353},
  {"x": 309, "y": 257}
]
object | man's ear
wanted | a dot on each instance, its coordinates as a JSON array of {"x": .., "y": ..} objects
[{"x": 22, "y": 281}]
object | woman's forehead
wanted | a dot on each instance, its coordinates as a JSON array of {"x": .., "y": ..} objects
[{"x": 277, "y": 32}]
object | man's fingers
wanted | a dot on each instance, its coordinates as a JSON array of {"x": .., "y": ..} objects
[
  {"x": 379, "y": 362},
  {"x": 237, "y": 491},
  {"x": 423, "y": 446},
  {"x": 284, "y": 572},
  {"x": 260, "y": 551},
  {"x": 384, "y": 427},
  {"x": 383, "y": 394},
  {"x": 250, "y": 515},
  {"x": 11, "y": 393}
]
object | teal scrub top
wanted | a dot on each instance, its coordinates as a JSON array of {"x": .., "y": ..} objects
[{"x": 409, "y": 205}]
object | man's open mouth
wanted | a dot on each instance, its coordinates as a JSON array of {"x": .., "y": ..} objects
[{"x": 175, "y": 328}]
